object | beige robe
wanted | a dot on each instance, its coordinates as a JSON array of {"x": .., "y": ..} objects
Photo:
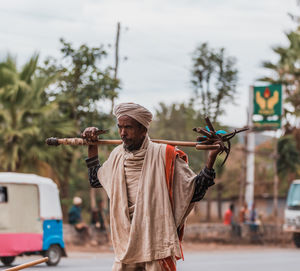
[{"x": 151, "y": 234}]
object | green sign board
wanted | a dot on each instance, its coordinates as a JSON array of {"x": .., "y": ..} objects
[{"x": 267, "y": 107}]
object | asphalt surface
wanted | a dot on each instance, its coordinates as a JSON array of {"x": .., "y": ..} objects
[{"x": 244, "y": 259}]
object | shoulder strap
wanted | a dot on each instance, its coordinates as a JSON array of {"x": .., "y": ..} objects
[{"x": 171, "y": 154}]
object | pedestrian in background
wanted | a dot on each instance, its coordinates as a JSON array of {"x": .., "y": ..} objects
[
  {"x": 229, "y": 219},
  {"x": 75, "y": 218},
  {"x": 244, "y": 214}
]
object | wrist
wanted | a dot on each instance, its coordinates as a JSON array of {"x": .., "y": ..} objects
[
  {"x": 92, "y": 150},
  {"x": 210, "y": 175},
  {"x": 210, "y": 163},
  {"x": 92, "y": 161},
  {"x": 211, "y": 160}
]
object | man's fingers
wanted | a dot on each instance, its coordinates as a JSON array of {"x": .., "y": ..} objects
[{"x": 90, "y": 133}]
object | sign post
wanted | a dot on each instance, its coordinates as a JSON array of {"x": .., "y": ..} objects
[
  {"x": 249, "y": 189},
  {"x": 267, "y": 107},
  {"x": 265, "y": 110}
]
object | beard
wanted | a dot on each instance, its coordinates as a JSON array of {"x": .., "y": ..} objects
[{"x": 132, "y": 145}]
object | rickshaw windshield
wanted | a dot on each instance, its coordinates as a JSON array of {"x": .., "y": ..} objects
[
  {"x": 3, "y": 194},
  {"x": 293, "y": 201}
]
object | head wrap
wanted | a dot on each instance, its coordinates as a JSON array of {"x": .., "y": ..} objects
[
  {"x": 135, "y": 111},
  {"x": 77, "y": 200}
]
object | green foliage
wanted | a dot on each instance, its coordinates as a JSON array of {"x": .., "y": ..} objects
[
  {"x": 176, "y": 122},
  {"x": 82, "y": 83},
  {"x": 286, "y": 71},
  {"x": 214, "y": 79},
  {"x": 26, "y": 116},
  {"x": 59, "y": 98},
  {"x": 289, "y": 157},
  {"x": 264, "y": 168}
]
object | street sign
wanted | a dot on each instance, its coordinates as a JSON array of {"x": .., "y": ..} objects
[{"x": 267, "y": 107}]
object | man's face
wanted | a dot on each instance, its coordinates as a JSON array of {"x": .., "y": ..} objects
[{"x": 131, "y": 132}]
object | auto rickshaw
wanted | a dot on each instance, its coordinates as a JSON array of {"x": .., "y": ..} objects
[{"x": 30, "y": 218}]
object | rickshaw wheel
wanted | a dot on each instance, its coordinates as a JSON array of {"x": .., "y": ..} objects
[
  {"x": 54, "y": 255},
  {"x": 7, "y": 260}
]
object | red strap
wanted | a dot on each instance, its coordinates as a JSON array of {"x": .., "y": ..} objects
[
  {"x": 170, "y": 160},
  {"x": 168, "y": 264},
  {"x": 171, "y": 153}
]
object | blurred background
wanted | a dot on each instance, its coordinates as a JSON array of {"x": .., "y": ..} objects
[{"x": 65, "y": 64}]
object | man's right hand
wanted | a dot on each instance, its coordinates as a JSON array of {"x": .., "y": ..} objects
[{"x": 90, "y": 133}]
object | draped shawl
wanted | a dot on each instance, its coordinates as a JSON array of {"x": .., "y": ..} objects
[{"x": 152, "y": 232}]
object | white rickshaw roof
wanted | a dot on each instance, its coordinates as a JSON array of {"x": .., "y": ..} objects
[
  {"x": 296, "y": 181},
  {"x": 48, "y": 193}
]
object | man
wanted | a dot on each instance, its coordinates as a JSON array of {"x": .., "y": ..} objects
[
  {"x": 151, "y": 191},
  {"x": 229, "y": 220},
  {"x": 76, "y": 220},
  {"x": 244, "y": 213},
  {"x": 228, "y": 217}
]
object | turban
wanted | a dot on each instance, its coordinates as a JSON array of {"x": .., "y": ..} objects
[
  {"x": 135, "y": 111},
  {"x": 77, "y": 200}
]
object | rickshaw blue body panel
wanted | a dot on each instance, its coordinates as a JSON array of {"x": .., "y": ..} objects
[{"x": 53, "y": 233}]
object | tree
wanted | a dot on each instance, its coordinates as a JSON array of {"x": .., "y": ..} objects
[
  {"x": 58, "y": 98},
  {"x": 26, "y": 115},
  {"x": 214, "y": 79},
  {"x": 83, "y": 82},
  {"x": 286, "y": 71},
  {"x": 289, "y": 158},
  {"x": 176, "y": 122}
]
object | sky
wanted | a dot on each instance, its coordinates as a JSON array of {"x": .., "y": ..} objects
[{"x": 157, "y": 37}]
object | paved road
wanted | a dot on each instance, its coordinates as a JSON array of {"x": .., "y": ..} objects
[{"x": 259, "y": 259}]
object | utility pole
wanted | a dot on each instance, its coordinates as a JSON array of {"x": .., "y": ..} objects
[
  {"x": 249, "y": 191},
  {"x": 116, "y": 63},
  {"x": 276, "y": 181},
  {"x": 243, "y": 175}
]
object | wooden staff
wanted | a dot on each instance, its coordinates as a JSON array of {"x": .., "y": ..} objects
[
  {"x": 25, "y": 265},
  {"x": 52, "y": 141}
]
